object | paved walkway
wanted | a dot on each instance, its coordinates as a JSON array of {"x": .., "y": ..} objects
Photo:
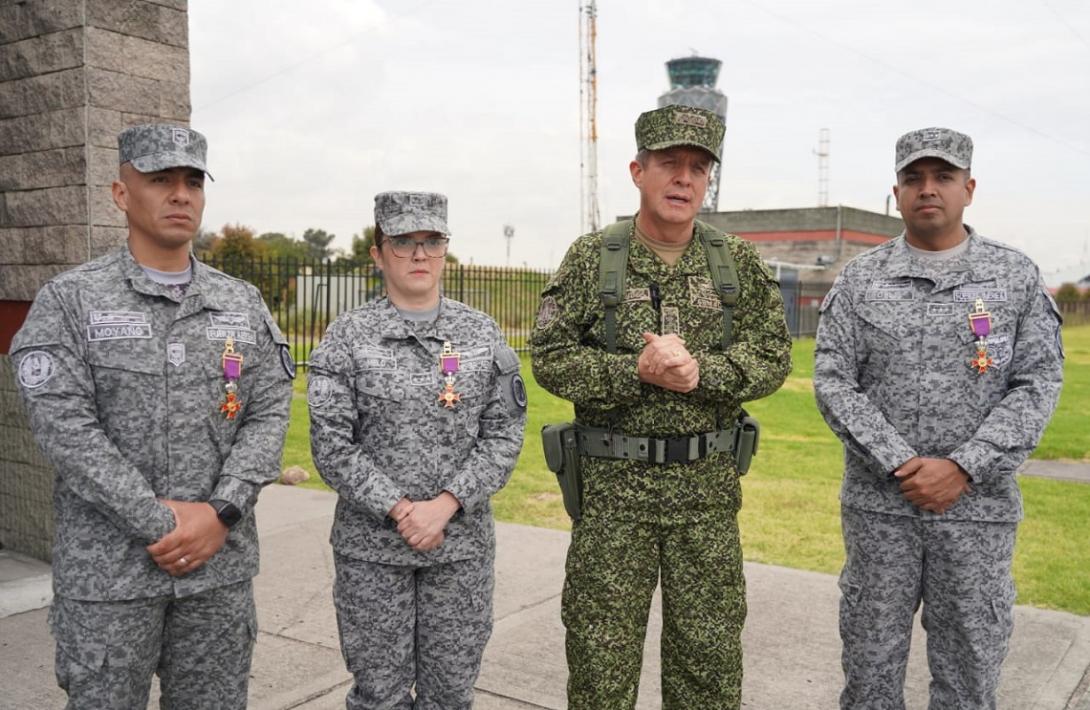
[
  {"x": 1062, "y": 470},
  {"x": 791, "y": 643}
]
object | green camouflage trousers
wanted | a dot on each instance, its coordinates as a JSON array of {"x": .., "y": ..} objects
[{"x": 612, "y": 569}]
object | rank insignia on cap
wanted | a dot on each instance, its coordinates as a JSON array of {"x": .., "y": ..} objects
[
  {"x": 180, "y": 136},
  {"x": 690, "y": 119}
]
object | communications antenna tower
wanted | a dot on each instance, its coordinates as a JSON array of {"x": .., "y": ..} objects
[
  {"x": 588, "y": 115},
  {"x": 822, "y": 154},
  {"x": 692, "y": 83}
]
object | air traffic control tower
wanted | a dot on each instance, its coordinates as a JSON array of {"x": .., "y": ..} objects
[{"x": 692, "y": 83}]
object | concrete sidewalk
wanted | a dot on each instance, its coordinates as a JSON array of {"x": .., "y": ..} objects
[{"x": 791, "y": 644}]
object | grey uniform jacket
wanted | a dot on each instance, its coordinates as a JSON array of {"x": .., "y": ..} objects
[
  {"x": 893, "y": 378},
  {"x": 378, "y": 431},
  {"x": 123, "y": 386}
]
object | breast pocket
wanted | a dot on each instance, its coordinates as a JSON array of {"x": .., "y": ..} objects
[
  {"x": 474, "y": 382},
  {"x": 385, "y": 409},
  {"x": 129, "y": 391},
  {"x": 882, "y": 332}
]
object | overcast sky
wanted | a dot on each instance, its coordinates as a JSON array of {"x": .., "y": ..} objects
[{"x": 313, "y": 108}]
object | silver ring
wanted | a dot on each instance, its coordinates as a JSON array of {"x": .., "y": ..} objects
[{"x": 184, "y": 561}]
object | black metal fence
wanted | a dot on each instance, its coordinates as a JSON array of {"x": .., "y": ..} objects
[
  {"x": 305, "y": 296},
  {"x": 1075, "y": 312}
]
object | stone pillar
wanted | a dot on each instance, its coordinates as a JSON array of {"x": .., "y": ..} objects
[{"x": 73, "y": 73}]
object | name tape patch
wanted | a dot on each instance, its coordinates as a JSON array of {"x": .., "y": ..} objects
[
  {"x": 969, "y": 295},
  {"x": 889, "y": 294},
  {"x": 121, "y": 331},
  {"x": 241, "y": 335},
  {"x": 941, "y": 309}
]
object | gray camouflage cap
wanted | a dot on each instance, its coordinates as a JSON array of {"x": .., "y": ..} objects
[
  {"x": 158, "y": 146},
  {"x": 951, "y": 146},
  {"x": 405, "y": 212},
  {"x": 680, "y": 125}
]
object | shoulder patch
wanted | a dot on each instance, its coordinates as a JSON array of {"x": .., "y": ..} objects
[
  {"x": 827, "y": 301},
  {"x": 36, "y": 368},
  {"x": 518, "y": 391},
  {"x": 547, "y": 312},
  {"x": 319, "y": 390},
  {"x": 286, "y": 360}
]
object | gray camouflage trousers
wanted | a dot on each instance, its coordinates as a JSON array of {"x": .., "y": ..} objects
[
  {"x": 960, "y": 571},
  {"x": 405, "y": 625},
  {"x": 200, "y": 646}
]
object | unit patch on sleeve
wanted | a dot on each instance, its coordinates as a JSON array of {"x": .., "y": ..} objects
[{"x": 36, "y": 368}]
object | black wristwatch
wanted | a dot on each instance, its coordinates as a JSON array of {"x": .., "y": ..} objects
[{"x": 226, "y": 512}]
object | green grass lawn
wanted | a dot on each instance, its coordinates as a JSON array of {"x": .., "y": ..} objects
[{"x": 791, "y": 514}]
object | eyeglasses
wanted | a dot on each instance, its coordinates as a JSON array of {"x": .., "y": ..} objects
[{"x": 405, "y": 247}]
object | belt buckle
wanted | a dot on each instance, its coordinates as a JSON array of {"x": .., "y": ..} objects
[{"x": 675, "y": 449}]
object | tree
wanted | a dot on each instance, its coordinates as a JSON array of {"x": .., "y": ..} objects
[
  {"x": 361, "y": 246},
  {"x": 204, "y": 242},
  {"x": 236, "y": 243},
  {"x": 317, "y": 243},
  {"x": 1067, "y": 293},
  {"x": 281, "y": 246}
]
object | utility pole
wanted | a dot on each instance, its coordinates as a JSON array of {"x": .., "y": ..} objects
[
  {"x": 588, "y": 115},
  {"x": 823, "y": 167}
]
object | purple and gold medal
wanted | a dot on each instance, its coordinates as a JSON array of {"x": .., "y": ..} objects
[
  {"x": 980, "y": 322},
  {"x": 448, "y": 365},
  {"x": 232, "y": 371}
]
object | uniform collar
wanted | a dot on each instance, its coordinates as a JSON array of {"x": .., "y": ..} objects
[
  {"x": 971, "y": 265},
  {"x": 394, "y": 327},
  {"x": 644, "y": 261},
  {"x": 201, "y": 292}
]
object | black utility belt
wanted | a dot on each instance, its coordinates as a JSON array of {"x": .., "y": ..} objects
[{"x": 602, "y": 443}]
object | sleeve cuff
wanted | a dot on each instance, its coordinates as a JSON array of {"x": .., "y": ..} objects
[
  {"x": 239, "y": 493},
  {"x": 890, "y": 458},
  {"x": 381, "y": 501},
  {"x": 624, "y": 378},
  {"x": 970, "y": 458},
  {"x": 161, "y": 522}
]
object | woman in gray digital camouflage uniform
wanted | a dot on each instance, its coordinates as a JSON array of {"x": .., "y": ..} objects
[{"x": 417, "y": 412}]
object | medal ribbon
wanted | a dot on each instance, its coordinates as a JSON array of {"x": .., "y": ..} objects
[
  {"x": 232, "y": 372},
  {"x": 449, "y": 362},
  {"x": 980, "y": 322}
]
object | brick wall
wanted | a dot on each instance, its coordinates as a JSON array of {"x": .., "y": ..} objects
[{"x": 73, "y": 73}]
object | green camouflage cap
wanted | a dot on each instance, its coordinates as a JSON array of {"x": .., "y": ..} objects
[
  {"x": 951, "y": 146},
  {"x": 157, "y": 146},
  {"x": 680, "y": 125},
  {"x": 405, "y": 212}
]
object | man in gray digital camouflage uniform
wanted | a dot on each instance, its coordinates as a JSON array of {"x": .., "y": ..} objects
[
  {"x": 417, "y": 412},
  {"x": 158, "y": 388},
  {"x": 938, "y": 364}
]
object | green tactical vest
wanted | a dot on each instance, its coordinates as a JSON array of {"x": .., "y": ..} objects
[{"x": 614, "y": 266}]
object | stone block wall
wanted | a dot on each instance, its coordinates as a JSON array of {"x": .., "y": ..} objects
[{"x": 73, "y": 74}]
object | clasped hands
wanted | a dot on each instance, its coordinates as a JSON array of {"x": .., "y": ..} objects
[
  {"x": 197, "y": 535},
  {"x": 932, "y": 484},
  {"x": 665, "y": 362},
  {"x": 422, "y": 522}
]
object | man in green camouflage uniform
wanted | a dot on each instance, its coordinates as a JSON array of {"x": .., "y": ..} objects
[{"x": 668, "y": 377}]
